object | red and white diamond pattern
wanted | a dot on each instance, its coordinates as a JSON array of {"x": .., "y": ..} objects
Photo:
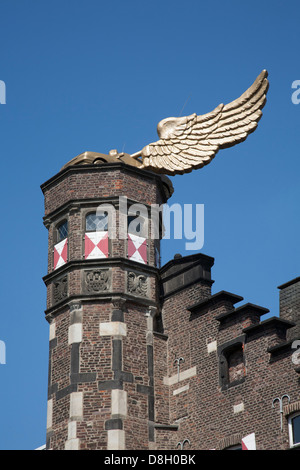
[
  {"x": 60, "y": 254},
  {"x": 96, "y": 245},
  {"x": 248, "y": 442},
  {"x": 137, "y": 248}
]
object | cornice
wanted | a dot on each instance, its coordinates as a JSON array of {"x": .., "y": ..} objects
[{"x": 99, "y": 263}]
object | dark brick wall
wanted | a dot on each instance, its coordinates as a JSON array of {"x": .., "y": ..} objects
[
  {"x": 85, "y": 182},
  {"x": 290, "y": 305},
  {"x": 211, "y": 415}
]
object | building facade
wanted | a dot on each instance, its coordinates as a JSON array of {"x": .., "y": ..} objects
[{"x": 144, "y": 357}]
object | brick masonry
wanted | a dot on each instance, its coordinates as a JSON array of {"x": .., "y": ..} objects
[
  {"x": 290, "y": 304},
  {"x": 164, "y": 362}
]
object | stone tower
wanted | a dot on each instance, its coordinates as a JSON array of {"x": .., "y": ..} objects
[
  {"x": 102, "y": 300},
  {"x": 144, "y": 357}
]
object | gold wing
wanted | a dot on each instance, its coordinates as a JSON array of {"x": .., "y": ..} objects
[{"x": 190, "y": 142}]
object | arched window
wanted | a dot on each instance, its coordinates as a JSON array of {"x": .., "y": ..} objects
[
  {"x": 62, "y": 231},
  {"x": 137, "y": 225},
  {"x": 96, "y": 243},
  {"x": 236, "y": 447},
  {"x": 96, "y": 222},
  {"x": 60, "y": 250},
  {"x": 294, "y": 429},
  {"x": 137, "y": 232}
]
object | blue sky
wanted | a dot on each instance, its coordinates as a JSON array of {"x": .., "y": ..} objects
[{"x": 94, "y": 75}]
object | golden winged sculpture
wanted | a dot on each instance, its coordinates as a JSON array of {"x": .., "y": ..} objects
[{"x": 190, "y": 142}]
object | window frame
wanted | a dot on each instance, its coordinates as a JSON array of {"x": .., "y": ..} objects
[
  {"x": 57, "y": 238},
  {"x": 290, "y": 428},
  {"x": 134, "y": 212},
  {"x": 84, "y": 213},
  {"x": 144, "y": 225},
  {"x": 234, "y": 447},
  {"x": 90, "y": 212}
]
